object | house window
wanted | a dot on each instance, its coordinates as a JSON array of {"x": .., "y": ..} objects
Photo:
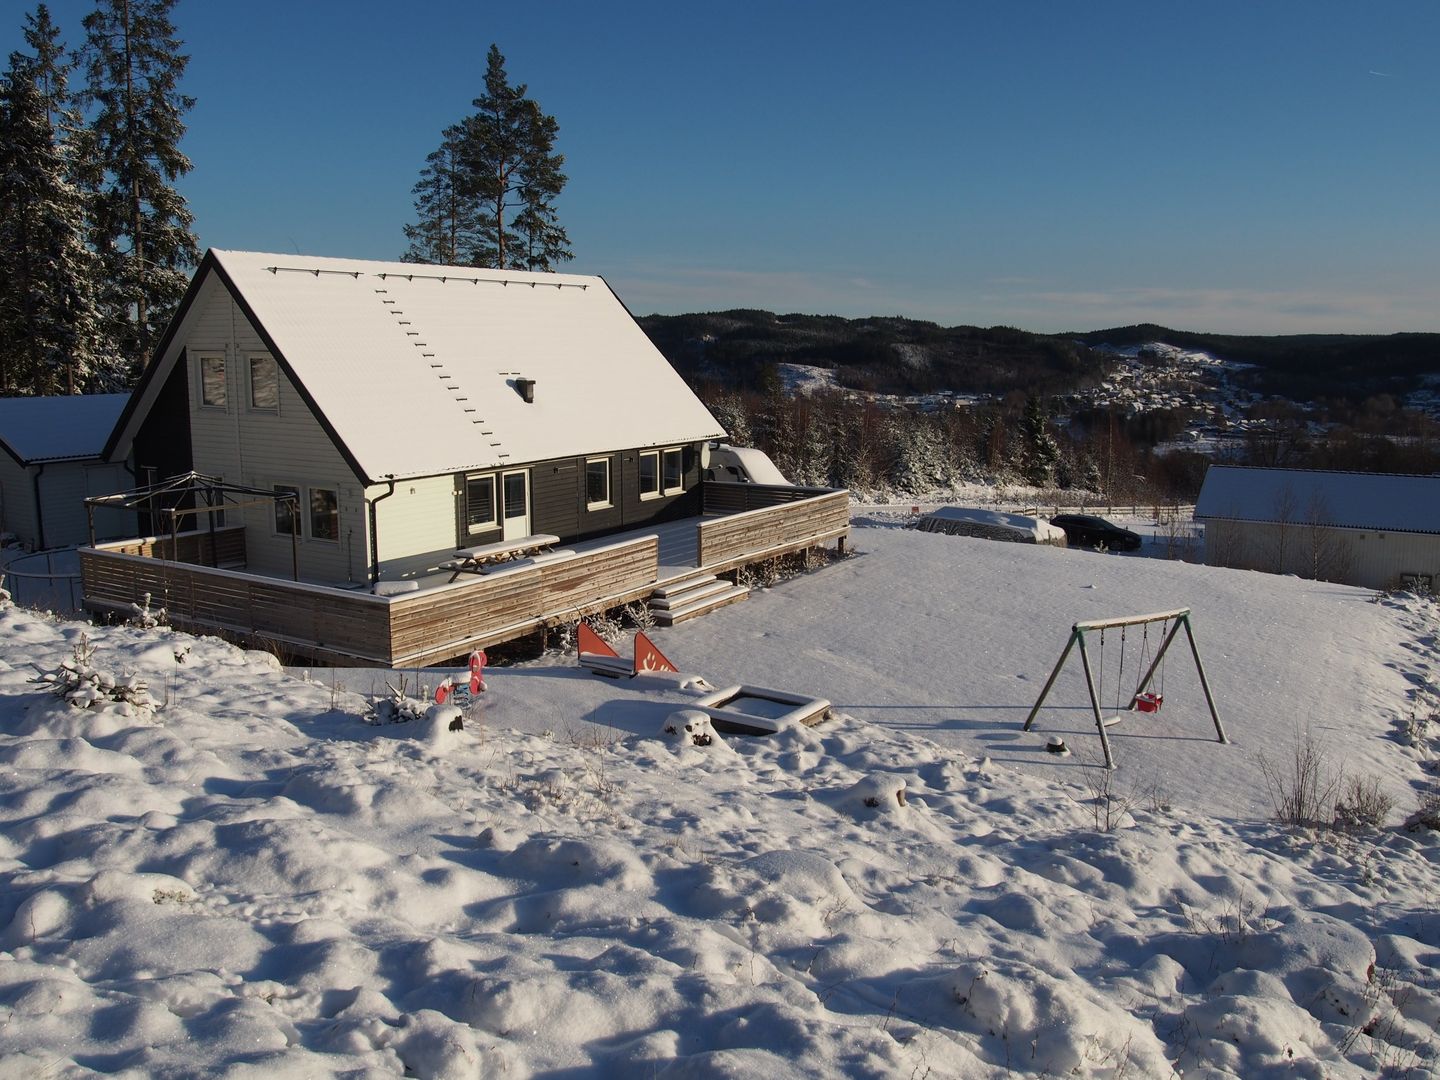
[
  {"x": 212, "y": 382},
  {"x": 324, "y": 514},
  {"x": 479, "y": 502},
  {"x": 597, "y": 483},
  {"x": 286, "y": 510},
  {"x": 674, "y": 472},
  {"x": 264, "y": 383},
  {"x": 650, "y": 474}
]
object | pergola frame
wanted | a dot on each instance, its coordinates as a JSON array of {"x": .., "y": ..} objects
[
  {"x": 1179, "y": 617},
  {"x": 217, "y": 495}
]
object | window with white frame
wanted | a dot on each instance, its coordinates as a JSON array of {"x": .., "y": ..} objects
[
  {"x": 324, "y": 514},
  {"x": 264, "y": 383},
  {"x": 649, "y": 474},
  {"x": 673, "y": 470},
  {"x": 287, "y": 510},
  {"x": 212, "y": 381},
  {"x": 480, "y": 502},
  {"x": 597, "y": 483}
]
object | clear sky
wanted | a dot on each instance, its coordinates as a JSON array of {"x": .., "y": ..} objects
[{"x": 1264, "y": 166}]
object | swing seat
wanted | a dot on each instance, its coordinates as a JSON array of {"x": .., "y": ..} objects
[{"x": 1148, "y": 702}]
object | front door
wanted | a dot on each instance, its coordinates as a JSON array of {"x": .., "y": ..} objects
[{"x": 515, "y": 504}]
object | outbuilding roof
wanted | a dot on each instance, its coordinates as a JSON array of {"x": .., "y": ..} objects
[
  {"x": 421, "y": 370},
  {"x": 1391, "y": 502},
  {"x": 34, "y": 430}
]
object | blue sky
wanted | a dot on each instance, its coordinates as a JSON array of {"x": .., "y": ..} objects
[{"x": 1255, "y": 167}]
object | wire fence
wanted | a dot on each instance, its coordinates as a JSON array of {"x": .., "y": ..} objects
[{"x": 48, "y": 580}]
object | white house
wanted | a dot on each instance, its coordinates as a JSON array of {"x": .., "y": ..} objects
[
  {"x": 50, "y": 460},
  {"x": 413, "y": 409},
  {"x": 1378, "y": 530}
]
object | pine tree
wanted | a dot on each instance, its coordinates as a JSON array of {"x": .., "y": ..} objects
[
  {"x": 140, "y": 225},
  {"x": 487, "y": 196},
  {"x": 50, "y": 334},
  {"x": 448, "y": 212}
]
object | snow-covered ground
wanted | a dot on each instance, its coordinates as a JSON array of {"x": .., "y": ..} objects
[{"x": 256, "y": 881}]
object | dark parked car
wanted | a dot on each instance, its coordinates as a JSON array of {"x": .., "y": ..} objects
[{"x": 1087, "y": 530}]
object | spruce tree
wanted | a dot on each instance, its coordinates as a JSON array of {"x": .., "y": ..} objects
[
  {"x": 1040, "y": 449},
  {"x": 487, "y": 195},
  {"x": 140, "y": 225},
  {"x": 50, "y": 335}
]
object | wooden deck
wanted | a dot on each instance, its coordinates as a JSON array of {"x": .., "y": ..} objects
[{"x": 444, "y": 620}]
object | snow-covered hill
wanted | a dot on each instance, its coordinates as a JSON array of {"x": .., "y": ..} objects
[{"x": 254, "y": 880}]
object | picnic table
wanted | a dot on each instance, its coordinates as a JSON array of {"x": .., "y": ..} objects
[{"x": 478, "y": 560}]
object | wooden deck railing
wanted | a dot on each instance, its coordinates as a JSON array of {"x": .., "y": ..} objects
[
  {"x": 313, "y": 618},
  {"x": 782, "y": 526},
  {"x": 348, "y": 626},
  {"x": 225, "y": 547},
  {"x": 435, "y": 624},
  {"x": 725, "y": 498},
  {"x": 453, "y": 619}
]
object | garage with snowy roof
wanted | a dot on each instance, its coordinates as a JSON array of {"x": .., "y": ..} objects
[
  {"x": 50, "y": 460},
  {"x": 1377, "y": 530}
]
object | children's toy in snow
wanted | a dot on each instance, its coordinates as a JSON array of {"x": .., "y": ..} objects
[
  {"x": 465, "y": 691},
  {"x": 649, "y": 658},
  {"x": 1142, "y": 698},
  {"x": 755, "y": 710},
  {"x": 597, "y": 655}
]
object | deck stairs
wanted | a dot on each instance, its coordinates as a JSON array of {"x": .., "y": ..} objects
[{"x": 687, "y": 597}]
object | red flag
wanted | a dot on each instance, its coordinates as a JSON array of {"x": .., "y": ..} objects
[
  {"x": 592, "y": 643},
  {"x": 649, "y": 658}
]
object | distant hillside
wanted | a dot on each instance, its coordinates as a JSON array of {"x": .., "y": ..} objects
[
  {"x": 1303, "y": 367},
  {"x": 886, "y": 355}
]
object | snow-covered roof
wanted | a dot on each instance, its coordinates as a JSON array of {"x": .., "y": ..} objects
[
  {"x": 40, "y": 429},
  {"x": 1392, "y": 502},
  {"x": 414, "y": 368}
]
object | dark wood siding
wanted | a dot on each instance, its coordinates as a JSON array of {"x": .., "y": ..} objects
[{"x": 557, "y": 497}]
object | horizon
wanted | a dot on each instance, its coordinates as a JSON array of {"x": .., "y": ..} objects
[{"x": 1231, "y": 170}]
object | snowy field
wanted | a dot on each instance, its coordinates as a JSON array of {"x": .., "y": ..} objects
[{"x": 252, "y": 880}]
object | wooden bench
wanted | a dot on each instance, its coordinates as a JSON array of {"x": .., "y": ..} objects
[{"x": 477, "y": 560}]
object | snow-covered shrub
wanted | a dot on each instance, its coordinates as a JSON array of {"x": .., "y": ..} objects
[
  {"x": 689, "y": 727},
  {"x": 87, "y": 687},
  {"x": 4, "y": 594},
  {"x": 878, "y": 793},
  {"x": 146, "y": 617},
  {"x": 398, "y": 708},
  {"x": 1428, "y": 815},
  {"x": 1363, "y": 804}
]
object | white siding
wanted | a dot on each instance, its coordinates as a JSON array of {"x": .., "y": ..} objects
[
  {"x": 1373, "y": 560},
  {"x": 263, "y": 448},
  {"x": 17, "y": 500},
  {"x": 416, "y": 525}
]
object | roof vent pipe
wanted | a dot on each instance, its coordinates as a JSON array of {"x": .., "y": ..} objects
[{"x": 526, "y": 389}]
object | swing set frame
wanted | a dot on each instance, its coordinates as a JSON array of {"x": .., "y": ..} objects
[{"x": 1178, "y": 618}]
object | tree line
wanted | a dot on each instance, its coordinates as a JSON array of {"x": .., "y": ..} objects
[
  {"x": 836, "y": 439},
  {"x": 95, "y": 240}
]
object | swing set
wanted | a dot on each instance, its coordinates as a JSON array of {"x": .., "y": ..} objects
[{"x": 1149, "y": 693}]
